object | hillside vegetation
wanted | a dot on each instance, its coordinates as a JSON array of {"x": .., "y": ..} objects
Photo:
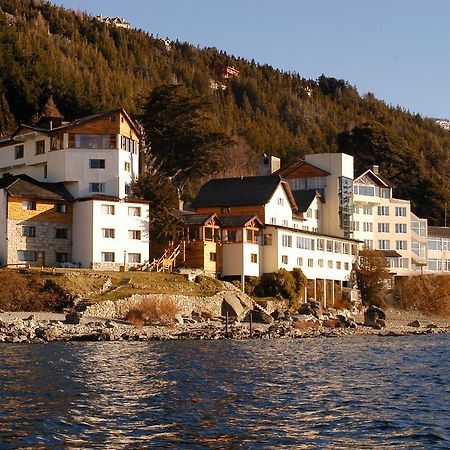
[{"x": 89, "y": 66}]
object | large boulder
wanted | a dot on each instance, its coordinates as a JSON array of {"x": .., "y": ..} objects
[
  {"x": 374, "y": 317},
  {"x": 311, "y": 308},
  {"x": 232, "y": 305},
  {"x": 259, "y": 317}
]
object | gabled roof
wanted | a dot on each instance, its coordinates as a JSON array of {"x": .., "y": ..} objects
[
  {"x": 23, "y": 186},
  {"x": 239, "y": 221},
  {"x": 199, "y": 219},
  {"x": 439, "y": 232},
  {"x": 375, "y": 178},
  {"x": 75, "y": 123},
  {"x": 299, "y": 168},
  {"x": 95, "y": 117},
  {"x": 243, "y": 191},
  {"x": 305, "y": 198}
]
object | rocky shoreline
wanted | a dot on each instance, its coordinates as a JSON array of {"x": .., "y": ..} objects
[{"x": 32, "y": 329}]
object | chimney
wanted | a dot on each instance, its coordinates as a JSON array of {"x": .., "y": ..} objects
[
  {"x": 269, "y": 165},
  {"x": 376, "y": 169}
]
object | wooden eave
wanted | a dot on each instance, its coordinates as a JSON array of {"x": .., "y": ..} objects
[{"x": 290, "y": 197}]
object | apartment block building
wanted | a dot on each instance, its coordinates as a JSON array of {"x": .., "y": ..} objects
[{"x": 66, "y": 194}]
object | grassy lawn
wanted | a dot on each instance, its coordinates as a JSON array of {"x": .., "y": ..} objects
[{"x": 88, "y": 284}]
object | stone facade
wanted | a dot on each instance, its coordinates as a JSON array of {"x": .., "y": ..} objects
[{"x": 44, "y": 242}]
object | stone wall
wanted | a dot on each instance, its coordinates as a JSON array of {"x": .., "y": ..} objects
[{"x": 187, "y": 305}]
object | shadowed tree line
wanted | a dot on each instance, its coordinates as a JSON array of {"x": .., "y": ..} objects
[{"x": 89, "y": 66}]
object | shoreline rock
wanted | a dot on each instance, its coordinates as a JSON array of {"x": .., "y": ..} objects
[{"x": 31, "y": 330}]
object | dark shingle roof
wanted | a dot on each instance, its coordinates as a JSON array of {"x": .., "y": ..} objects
[
  {"x": 304, "y": 199},
  {"x": 197, "y": 219},
  {"x": 27, "y": 187},
  {"x": 244, "y": 191},
  {"x": 439, "y": 232},
  {"x": 238, "y": 221},
  {"x": 390, "y": 253}
]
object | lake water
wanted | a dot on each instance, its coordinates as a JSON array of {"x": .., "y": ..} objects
[{"x": 355, "y": 392}]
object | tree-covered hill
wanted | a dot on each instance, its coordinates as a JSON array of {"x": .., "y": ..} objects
[{"x": 89, "y": 66}]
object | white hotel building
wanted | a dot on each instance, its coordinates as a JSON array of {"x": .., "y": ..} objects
[{"x": 77, "y": 174}]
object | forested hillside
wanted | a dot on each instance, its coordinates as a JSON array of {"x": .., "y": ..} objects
[{"x": 89, "y": 66}]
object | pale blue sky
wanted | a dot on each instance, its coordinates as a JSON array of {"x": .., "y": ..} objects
[{"x": 398, "y": 49}]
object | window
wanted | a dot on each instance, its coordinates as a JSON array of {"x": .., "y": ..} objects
[
  {"x": 134, "y": 234},
  {"x": 127, "y": 166},
  {"x": 267, "y": 239},
  {"x": 299, "y": 261},
  {"x": 320, "y": 262},
  {"x": 286, "y": 240},
  {"x": 383, "y": 210},
  {"x": 28, "y": 231},
  {"x": 338, "y": 265},
  {"x": 398, "y": 263},
  {"x": 128, "y": 190},
  {"x": 355, "y": 226},
  {"x": 367, "y": 210},
  {"x": 337, "y": 247},
  {"x": 309, "y": 213},
  {"x": 18, "y": 152},
  {"x": 401, "y": 245},
  {"x": 368, "y": 243},
  {"x": 355, "y": 209},
  {"x": 321, "y": 244},
  {"x": 285, "y": 223},
  {"x": 128, "y": 144},
  {"x": 434, "y": 264},
  {"x": 400, "y": 211},
  {"x": 284, "y": 259},
  {"x": 280, "y": 201},
  {"x": 253, "y": 257},
  {"x": 368, "y": 227},
  {"x": 61, "y": 257},
  {"x": 400, "y": 228},
  {"x": 434, "y": 244},
  {"x": 212, "y": 256},
  {"x": 346, "y": 266},
  {"x": 45, "y": 171},
  {"x": 108, "y": 257},
  {"x": 231, "y": 236},
  {"x": 346, "y": 248},
  {"x": 108, "y": 209},
  {"x": 134, "y": 257},
  {"x": 418, "y": 227},
  {"x": 383, "y": 227},
  {"x": 305, "y": 243},
  {"x": 310, "y": 262},
  {"x": 26, "y": 255},
  {"x": 418, "y": 249},
  {"x": 29, "y": 205},
  {"x": 446, "y": 244},
  {"x": 273, "y": 220},
  {"x": 40, "y": 147},
  {"x": 92, "y": 140},
  {"x": 96, "y": 163},
  {"x": 447, "y": 265},
  {"x": 384, "y": 244},
  {"x": 56, "y": 142},
  {"x": 329, "y": 246},
  {"x": 109, "y": 233},
  {"x": 61, "y": 208},
  {"x": 61, "y": 233},
  {"x": 330, "y": 264},
  {"x": 97, "y": 187},
  {"x": 134, "y": 211}
]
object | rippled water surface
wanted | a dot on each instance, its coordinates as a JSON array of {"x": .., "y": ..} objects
[{"x": 358, "y": 392}]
